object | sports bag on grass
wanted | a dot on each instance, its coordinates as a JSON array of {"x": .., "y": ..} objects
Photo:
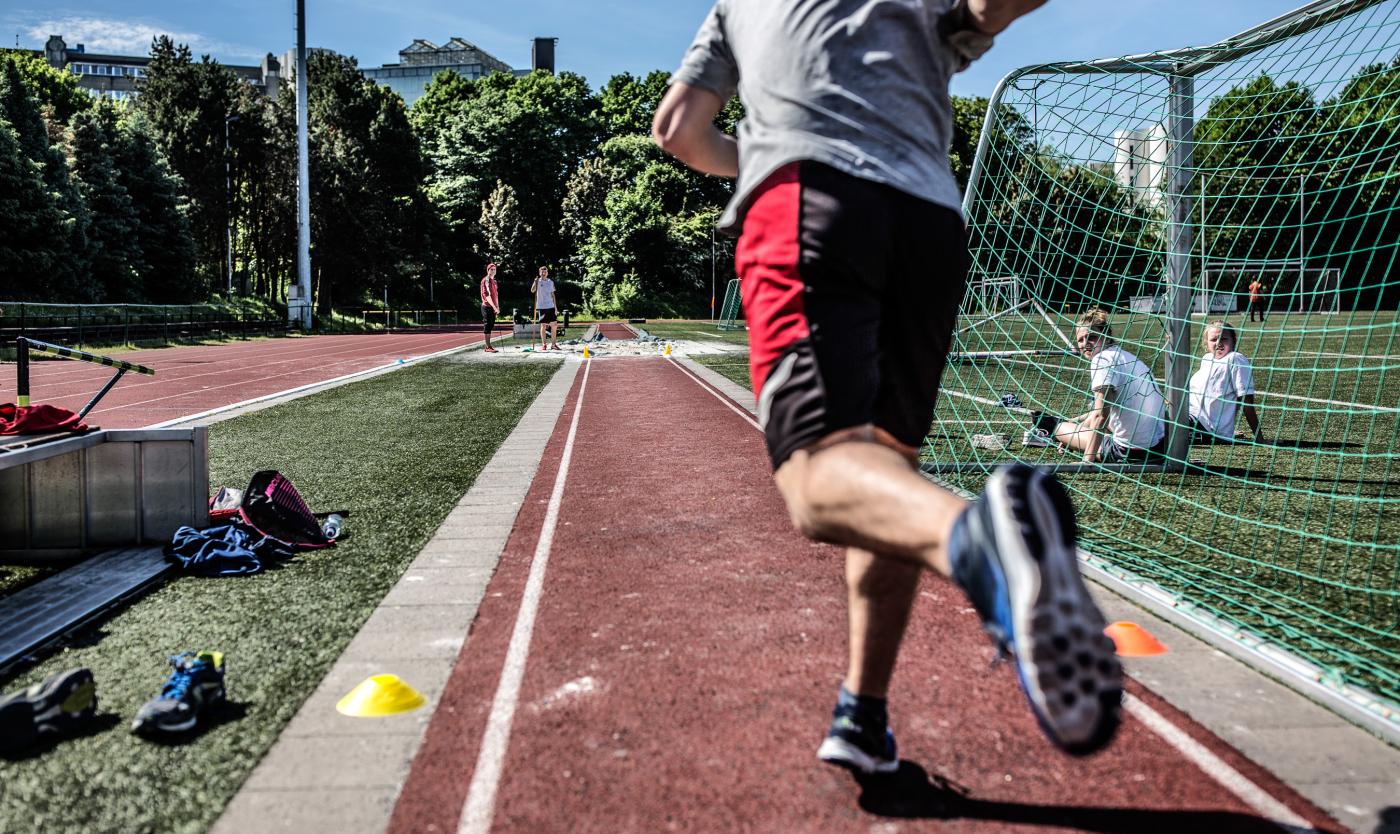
[{"x": 273, "y": 507}]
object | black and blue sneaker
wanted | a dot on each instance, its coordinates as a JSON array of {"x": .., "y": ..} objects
[
  {"x": 1013, "y": 552},
  {"x": 50, "y": 707},
  {"x": 859, "y": 739},
  {"x": 196, "y": 684}
]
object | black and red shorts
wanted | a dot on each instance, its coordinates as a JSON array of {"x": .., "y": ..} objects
[
  {"x": 851, "y": 290},
  {"x": 488, "y": 319}
]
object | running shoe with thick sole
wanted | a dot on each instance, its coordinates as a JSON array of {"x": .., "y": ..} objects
[
  {"x": 196, "y": 683},
  {"x": 50, "y": 707},
  {"x": 1036, "y": 437},
  {"x": 1014, "y": 555},
  {"x": 858, "y": 743}
]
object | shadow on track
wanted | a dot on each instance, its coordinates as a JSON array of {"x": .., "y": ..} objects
[{"x": 911, "y": 793}]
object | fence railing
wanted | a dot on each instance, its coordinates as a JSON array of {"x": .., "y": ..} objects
[{"x": 130, "y": 323}]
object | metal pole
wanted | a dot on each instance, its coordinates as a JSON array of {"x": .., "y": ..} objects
[
  {"x": 300, "y": 312},
  {"x": 228, "y": 201},
  {"x": 1180, "y": 125},
  {"x": 712, "y": 273},
  {"x": 22, "y": 372},
  {"x": 1302, "y": 202}
]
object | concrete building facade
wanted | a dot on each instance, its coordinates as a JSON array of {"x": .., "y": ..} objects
[
  {"x": 422, "y": 59},
  {"x": 115, "y": 76}
]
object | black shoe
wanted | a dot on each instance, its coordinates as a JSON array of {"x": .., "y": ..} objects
[
  {"x": 861, "y": 743},
  {"x": 196, "y": 684},
  {"x": 50, "y": 707},
  {"x": 1013, "y": 552}
]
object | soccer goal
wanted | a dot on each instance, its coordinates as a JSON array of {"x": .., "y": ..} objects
[
  {"x": 1284, "y": 286},
  {"x": 1157, "y": 187},
  {"x": 732, "y": 310}
]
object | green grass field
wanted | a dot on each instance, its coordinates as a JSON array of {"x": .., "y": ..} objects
[
  {"x": 1297, "y": 539},
  {"x": 281, "y": 630}
]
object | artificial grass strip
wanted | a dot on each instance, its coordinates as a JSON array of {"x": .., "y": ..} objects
[{"x": 397, "y": 450}]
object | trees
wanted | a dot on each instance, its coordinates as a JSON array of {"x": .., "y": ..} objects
[
  {"x": 114, "y": 256},
  {"x": 53, "y": 89},
  {"x": 33, "y": 239}
]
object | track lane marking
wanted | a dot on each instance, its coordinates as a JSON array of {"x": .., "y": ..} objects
[
  {"x": 1198, "y": 754},
  {"x": 748, "y": 418},
  {"x": 480, "y": 805}
]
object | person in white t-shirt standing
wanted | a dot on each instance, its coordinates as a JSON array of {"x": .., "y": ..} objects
[
  {"x": 546, "y": 309},
  {"x": 1126, "y": 401},
  {"x": 1220, "y": 386}
]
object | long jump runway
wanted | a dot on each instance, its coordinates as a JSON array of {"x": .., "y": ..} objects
[
  {"x": 191, "y": 380},
  {"x": 659, "y": 651}
]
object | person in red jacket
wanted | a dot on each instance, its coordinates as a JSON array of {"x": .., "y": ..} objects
[{"x": 490, "y": 304}]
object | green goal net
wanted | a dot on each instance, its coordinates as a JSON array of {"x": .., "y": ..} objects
[
  {"x": 1254, "y": 181},
  {"x": 732, "y": 311}
]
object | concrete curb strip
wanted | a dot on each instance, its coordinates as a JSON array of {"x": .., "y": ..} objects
[{"x": 323, "y": 759}]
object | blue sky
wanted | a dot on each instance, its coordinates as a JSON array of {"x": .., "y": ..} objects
[{"x": 597, "y": 38}]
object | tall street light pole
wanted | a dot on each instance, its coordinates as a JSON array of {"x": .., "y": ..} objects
[
  {"x": 299, "y": 302},
  {"x": 712, "y": 272},
  {"x": 228, "y": 200}
]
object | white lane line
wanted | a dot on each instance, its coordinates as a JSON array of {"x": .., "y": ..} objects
[
  {"x": 1229, "y": 778},
  {"x": 1216, "y": 768},
  {"x": 748, "y": 418},
  {"x": 480, "y": 805},
  {"x": 291, "y": 392}
]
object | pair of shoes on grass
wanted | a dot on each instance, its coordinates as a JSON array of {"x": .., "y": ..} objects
[
  {"x": 489, "y": 350},
  {"x": 64, "y": 701},
  {"x": 1013, "y": 552}
]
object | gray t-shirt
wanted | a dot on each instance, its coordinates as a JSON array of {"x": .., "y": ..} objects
[{"x": 860, "y": 85}]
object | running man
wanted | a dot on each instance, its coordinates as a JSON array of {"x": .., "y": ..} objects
[
  {"x": 1257, "y": 289},
  {"x": 844, "y": 199},
  {"x": 1126, "y": 401},
  {"x": 490, "y": 305},
  {"x": 546, "y": 308}
]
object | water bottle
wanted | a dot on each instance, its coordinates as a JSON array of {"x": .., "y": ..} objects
[{"x": 332, "y": 526}]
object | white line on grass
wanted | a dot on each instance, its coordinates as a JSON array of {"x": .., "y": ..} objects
[
  {"x": 1215, "y": 767},
  {"x": 1212, "y": 765},
  {"x": 480, "y": 805}
]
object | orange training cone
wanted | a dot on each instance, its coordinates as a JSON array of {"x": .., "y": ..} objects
[
  {"x": 378, "y": 696},
  {"x": 1132, "y": 640}
]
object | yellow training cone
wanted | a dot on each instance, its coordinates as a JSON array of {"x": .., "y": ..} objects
[
  {"x": 668, "y": 348},
  {"x": 378, "y": 696},
  {"x": 585, "y": 352},
  {"x": 1132, "y": 640}
]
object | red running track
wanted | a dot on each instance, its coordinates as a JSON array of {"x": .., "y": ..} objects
[
  {"x": 191, "y": 380},
  {"x": 687, "y": 650}
]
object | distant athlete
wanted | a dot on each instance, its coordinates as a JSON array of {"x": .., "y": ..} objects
[
  {"x": 490, "y": 305},
  {"x": 1221, "y": 388},
  {"x": 1127, "y": 422},
  {"x": 848, "y": 218},
  {"x": 546, "y": 309},
  {"x": 1257, "y": 304}
]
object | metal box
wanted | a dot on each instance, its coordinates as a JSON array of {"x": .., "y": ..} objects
[{"x": 107, "y": 489}]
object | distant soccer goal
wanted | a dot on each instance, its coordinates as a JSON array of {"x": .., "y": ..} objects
[
  {"x": 995, "y": 295},
  {"x": 732, "y": 311},
  {"x": 1286, "y": 286}
]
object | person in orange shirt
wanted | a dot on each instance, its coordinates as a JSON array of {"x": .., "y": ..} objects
[
  {"x": 490, "y": 304},
  {"x": 1257, "y": 288}
]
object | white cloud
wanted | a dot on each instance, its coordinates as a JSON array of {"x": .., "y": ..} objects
[{"x": 125, "y": 37}]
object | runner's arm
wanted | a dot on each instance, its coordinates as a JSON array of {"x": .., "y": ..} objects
[
  {"x": 992, "y": 16},
  {"x": 684, "y": 127}
]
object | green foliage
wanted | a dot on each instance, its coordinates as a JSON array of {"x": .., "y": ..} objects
[
  {"x": 165, "y": 248},
  {"x": 54, "y": 89},
  {"x": 185, "y": 103},
  {"x": 33, "y": 240},
  {"x": 968, "y": 114},
  {"x": 504, "y": 231},
  {"x": 366, "y": 172},
  {"x": 530, "y": 133},
  {"x": 443, "y": 99},
  {"x": 114, "y": 254},
  {"x": 627, "y": 104}
]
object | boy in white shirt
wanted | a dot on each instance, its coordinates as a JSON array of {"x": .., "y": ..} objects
[
  {"x": 546, "y": 309},
  {"x": 1126, "y": 401}
]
